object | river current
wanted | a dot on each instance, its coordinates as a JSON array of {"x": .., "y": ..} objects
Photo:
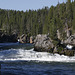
[{"x": 21, "y": 59}]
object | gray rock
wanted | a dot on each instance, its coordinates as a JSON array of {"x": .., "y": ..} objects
[
  {"x": 43, "y": 43},
  {"x": 58, "y": 34},
  {"x": 55, "y": 50},
  {"x": 70, "y": 40}
]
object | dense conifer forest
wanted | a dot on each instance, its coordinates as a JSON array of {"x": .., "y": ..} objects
[{"x": 41, "y": 21}]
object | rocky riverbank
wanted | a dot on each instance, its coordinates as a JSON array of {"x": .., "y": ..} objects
[
  {"x": 4, "y": 38},
  {"x": 43, "y": 43}
]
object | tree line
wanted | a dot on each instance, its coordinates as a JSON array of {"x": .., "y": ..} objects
[{"x": 41, "y": 21}]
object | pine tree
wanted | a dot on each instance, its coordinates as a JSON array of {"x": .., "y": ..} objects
[{"x": 69, "y": 13}]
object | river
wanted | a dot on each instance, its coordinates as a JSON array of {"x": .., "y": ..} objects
[{"x": 21, "y": 59}]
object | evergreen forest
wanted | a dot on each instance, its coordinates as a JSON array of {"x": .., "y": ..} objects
[{"x": 41, "y": 21}]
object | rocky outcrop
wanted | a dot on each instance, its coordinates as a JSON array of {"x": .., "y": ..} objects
[
  {"x": 43, "y": 43},
  {"x": 25, "y": 39},
  {"x": 22, "y": 38},
  {"x": 70, "y": 40}
]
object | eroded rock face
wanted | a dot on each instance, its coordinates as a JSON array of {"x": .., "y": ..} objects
[{"x": 43, "y": 43}]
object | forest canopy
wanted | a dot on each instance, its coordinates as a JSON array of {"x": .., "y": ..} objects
[{"x": 41, "y": 21}]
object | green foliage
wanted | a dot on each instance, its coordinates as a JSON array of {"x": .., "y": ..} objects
[
  {"x": 60, "y": 49},
  {"x": 42, "y": 21},
  {"x": 55, "y": 42},
  {"x": 73, "y": 21}
]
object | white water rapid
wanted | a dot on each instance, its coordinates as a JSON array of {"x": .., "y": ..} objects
[{"x": 30, "y": 55}]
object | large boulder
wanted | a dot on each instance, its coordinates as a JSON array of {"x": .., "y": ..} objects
[{"x": 43, "y": 43}]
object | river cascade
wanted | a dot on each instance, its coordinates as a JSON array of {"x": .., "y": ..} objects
[{"x": 22, "y": 53}]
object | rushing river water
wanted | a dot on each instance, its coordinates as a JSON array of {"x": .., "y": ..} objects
[{"x": 21, "y": 59}]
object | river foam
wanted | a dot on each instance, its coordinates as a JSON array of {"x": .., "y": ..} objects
[{"x": 30, "y": 55}]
